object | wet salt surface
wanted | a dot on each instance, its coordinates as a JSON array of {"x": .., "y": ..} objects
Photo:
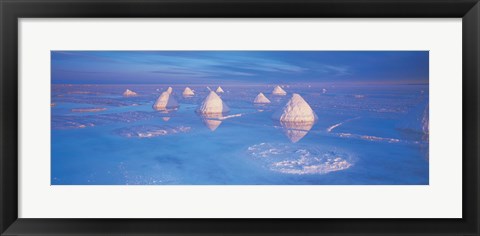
[
  {"x": 356, "y": 139},
  {"x": 150, "y": 131},
  {"x": 71, "y": 122},
  {"x": 299, "y": 159}
]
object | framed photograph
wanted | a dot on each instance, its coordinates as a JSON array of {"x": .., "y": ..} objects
[{"x": 239, "y": 117}]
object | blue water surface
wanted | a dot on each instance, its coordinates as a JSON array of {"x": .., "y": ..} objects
[{"x": 100, "y": 137}]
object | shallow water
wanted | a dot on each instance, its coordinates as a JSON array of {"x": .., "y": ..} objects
[{"x": 100, "y": 137}]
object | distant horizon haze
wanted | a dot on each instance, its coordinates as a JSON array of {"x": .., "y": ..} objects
[{"x": 230, "y": 68}]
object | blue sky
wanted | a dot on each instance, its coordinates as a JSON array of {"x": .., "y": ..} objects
[{"x": 223, "y": 67}]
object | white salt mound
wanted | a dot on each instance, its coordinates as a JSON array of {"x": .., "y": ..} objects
[
  {"x": 129, "y": 93},
  {"x": 213, "y": 104},
  {"x": 278, "y": 91},
  {"x": 165, "y": 101},
  {"x": 260, "y": 98},
  {"x": 188, "y": 92},
  {"x": 169, "y": 90},
  {"x": 296, "y": 110},
  {"x": 219, "y": 90}
]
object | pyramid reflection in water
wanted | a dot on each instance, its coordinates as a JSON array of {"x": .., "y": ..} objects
[
  {"x": 212, "y": 121},
  {"x": 295, "y": 131}
]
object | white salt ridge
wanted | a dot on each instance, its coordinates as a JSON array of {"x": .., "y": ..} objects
[
  {"x": 296, "y": 110},
  {"x": 129, "y": 93},
  {"x": 219, "y": 90},
  {"x": 278, "y": 91},
  {"x": 260, "y": 98},
  {"x": 331, "y": 128},
  {"x": 230, "y": 116},
  {"x": 165, "y": 101},
  {"x": 371, "y": 138},
  {"x": 188, "y": 92},
  {"x": 169, "y": 90},
  {"x": 213, "y": 104}
]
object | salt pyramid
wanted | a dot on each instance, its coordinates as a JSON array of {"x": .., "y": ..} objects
[
  {"x": 279, "y": 91},
  {"x": 260, "y": 98},
  {"x": 169, "y": 90},
  {"x": 129, "y": 93},
  {"x": 219, "y": 90},
  {"x": 165, "y": 101},
  {"x": 188, "y": 92},
  {"x": 296, "y": 110},
  {"x": 296, "y": 131},
  {"x": 213, "y": 104}
]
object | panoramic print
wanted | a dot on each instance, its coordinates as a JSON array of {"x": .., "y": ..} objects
[{"x": 239, "y": 117}]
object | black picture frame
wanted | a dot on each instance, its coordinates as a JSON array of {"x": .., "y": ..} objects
[{"x": 12, "y": 10}]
